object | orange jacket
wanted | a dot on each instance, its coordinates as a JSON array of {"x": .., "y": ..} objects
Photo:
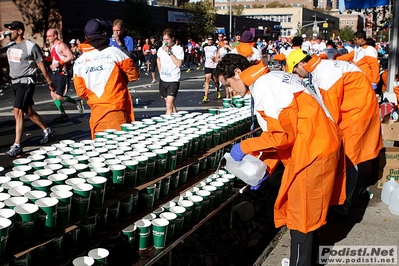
[
  {"x": 350, "y": 99},
  {"x": 104, "y": 82},
  {"x": 366, "y": 58},
  {"x": 307, "y": 142}
]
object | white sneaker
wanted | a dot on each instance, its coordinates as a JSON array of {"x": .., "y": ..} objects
[{"x": 285, "y": 262}]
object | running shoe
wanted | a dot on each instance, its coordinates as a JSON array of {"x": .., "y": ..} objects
[
  {"x": 198, "y": 68},
  {"x": 61, "y": 118},
  {"x": 14, "y": 151},
  {"x": 80, "y": 106},
  {"x": 205, "y": 99},
  {"x": 219, "y": 95},
  {"x": 48, "y": 133},
  {"x": 154, "y": 81},
  {"x": 188, "y": 70}
]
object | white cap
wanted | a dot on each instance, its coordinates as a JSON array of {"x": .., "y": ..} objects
[
  {"x": 303, "y": 35},
  {"x": 73, "y": 41}
]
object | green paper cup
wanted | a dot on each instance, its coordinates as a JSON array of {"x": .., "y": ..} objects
[
  {"x": 58, "y": 179},
  {"x": 47, "y": 215},
  {"x": 150, "y": 164},
  {"x": 189, "y": 206},
  {"x": 21, "y": 161},
  {"x": 100, "y": 256},
  {"x": 179, "y": 153},
  {"x": 135, "y": 201},
  {"x": 43, "y": 173},
  {"x": 5, "y": 225},
  {"x": 211, "y": 161},
  {"x": 213, "y": 111},
  {"x": 144, "y": 231},
  {"x": 61, "y": 188},
  {"x": 37, "y": 165},
  {"x": 69, "y": 172},
  {"x": 10, "y": 215},
  {"x": 104, "y": 172},
  {"x": 15, "y": 201},
  {"x": 130, "y": 173},
  {"x": 118, "y": 177},
  {"x": 183, "y": 175},
  {"x": 102, "y": 221},
  {"x": 75, "y": 180},
  {"x": 227, "y": 102},
  {"x": 158, "y": 211},
  {"x": 197, "y": 200},
  {"x": 226, "y": 185},
  {"x": 157, "y": 191},
  {"x": 18, "y": 191},
  {"x": 179, "y": 222},
  {"x": 126, "y": 207},
  {"x": 42, "y": 184},
  {"x": 15, "y": 175},
  {"x": 63, "y": 207},
  {"x": 202, "y": 164},
  {"x": 171, "y": 217},
  {"x": 147, "y": 197},
  {"x": 141, "y": 169},
  {"x": 160, "y": 161},
  {"x": 165, "y": 185},
  {"x": 114, "y": 213},
  {"x": 218, "y": 193},
  {"x": 83, "y": 260},
  {"x": 35, "y": 195},
  {"x": 4, "y": 196},
  {"x": 193, "y": 169},
  {"x": 87, "y": 174},
  {"x": 79, "y": 167},
  {"x": 201, "y": 140},
  {"x": 129, "y": 237},
  {"x": 88, "y": 228},
  {"x": 205, "y": 201},
  {"x": 159, "y": 232},
  {"x": 99, "y": 184},
  {"x": 212, "y": 190},
  {"x": 10, "y": 184},
  {"x": 208, "y": 138},
  {"x": 171, "y": 157},
  {"x": 25, "y": 218},
  {"x": 174, "y": 180},
  {"x": 168, "y": 205},
  {"x": 81, "y": 199}
]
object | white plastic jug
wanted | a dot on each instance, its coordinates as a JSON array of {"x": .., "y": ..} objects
[
  {"x": 387, "y": 188},
  {"x": 250, "y": 169},
  {"x": 394, "y": 201}
]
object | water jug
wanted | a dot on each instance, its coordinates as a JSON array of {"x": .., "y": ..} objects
[
  {"x": 387, "y": 188},
  {"x": 394, "y": 201},
  {"x": 250, "y": 169}
]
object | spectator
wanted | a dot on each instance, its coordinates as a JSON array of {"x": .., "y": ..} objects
[
  {"x": 246, "y": 47},
  {"x": 120, "y": 39}
]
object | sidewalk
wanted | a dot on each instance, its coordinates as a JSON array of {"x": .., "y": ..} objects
[{"x": 369, "y": 223}]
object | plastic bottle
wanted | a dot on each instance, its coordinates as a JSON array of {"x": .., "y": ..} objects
[
  {"x": 394, "y": 201},
  {"x": 250, "y": 169},
  {"x": 387, "y": 188},
  {"x": 5, "y": 34}
]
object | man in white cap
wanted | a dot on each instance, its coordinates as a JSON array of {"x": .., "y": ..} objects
[{"x": 306, "y": 45}]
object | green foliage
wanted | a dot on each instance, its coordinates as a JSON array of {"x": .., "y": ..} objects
[
  {"x": 203, "y": 19},
  {"x": 346, "y": 33},
  {"x": 40, "y": 15},
  {"x": 276, "y": 4},
  {"x": 138, "y": 16}
]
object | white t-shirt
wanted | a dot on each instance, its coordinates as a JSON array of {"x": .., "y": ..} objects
[
  {"x": 169, "y": 71},
  {"x": 210, "y": 51}
]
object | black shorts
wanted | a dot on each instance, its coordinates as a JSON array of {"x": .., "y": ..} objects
[
  {"x": 61, "y": 81},
  {"x": 208, "y": 70},
  {"x": 23, "y": 94},
  {"x": 168, "y": 88},
  {"x": 153, "y": 65}
]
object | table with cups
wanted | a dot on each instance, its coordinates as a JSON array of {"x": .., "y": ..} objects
[{"x": 135, "y": 192}]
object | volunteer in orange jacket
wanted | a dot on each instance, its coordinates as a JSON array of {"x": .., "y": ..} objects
[
  {"x": 365, "y": 57},
  {"x": 350, "y": 99},
  {"x": 307, "y": 141},
  {"x": 101, "y": 77}
]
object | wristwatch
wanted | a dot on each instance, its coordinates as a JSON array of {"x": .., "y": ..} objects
[{"x": 170, "y": 53}]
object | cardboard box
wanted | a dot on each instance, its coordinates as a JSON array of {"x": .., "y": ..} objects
[
  {"x": 390, "y": 131},
  {"x": 389, "y": 165}
]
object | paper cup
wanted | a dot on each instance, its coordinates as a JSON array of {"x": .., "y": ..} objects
[
  {"x": 43, "y": 173},
  {"x": 12, "y": 202},
  {"x": 183, "y": 176},
  {"x": 5, "y": 225},
  {"x": 34, "y": 195},
  {"x": 19, "y": 191},
  {"x": 15, "y": 175},
  {"x": 81, "y": 199},
  {"x": 83, "y": 261},
  {"x": 4, "y": 196},
  {"x": 189, "y": 206},
  {"x": 160, "y": 160},
  {"x": 10, "y": 184},
  {"x": 87, "y": 174},
  {"x": 47, "y": 215},
  {"x": 159, "y": 232},
  {"x": 58, "y": 179},
  {"x": 61, "y": 188},
  {"x": 179, "y": 222},
  {"x": 128, "y": 238},
  {"x": 99, "y": 184},
  {"x": 144, "y": 231},
  {"x": 212, "y": 190},
  {"x": 141, "y": 169},
  {"x": 25, "y": 218},
  {"x": 100, "y": 256},
  {"x": 218, "y": 192},
  {"x": 69, "y": 172},
  {"x": 113, "y": 213},
  {"x": 88, "y": 228},
  {"x": 205, "y": 201},
  {"x": 150, "y": 164},
  {"x": 126, "y": 207},
  {"x": 130, "y": 173},
  {"x": 10, "y": 215},
  {"x": 75, "y": 180},
  {"x": 174, "y": 180},
  {"x": 197, "y": 200},
  {"x": 171, "y": 217},
  {"x": 171, "y": 157},
  {"x": 4, "y": 179},
  {"x": 42, "y": 184},
  {"x": 118, "y": 177},
  {"x": 24, "y": 168},
  {"x": 147, "y": 197},
  {"x": 79, "y": 167},
  {"x": 63, "y": 207}
]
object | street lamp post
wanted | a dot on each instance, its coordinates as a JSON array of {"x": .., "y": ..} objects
[{"x": 230, "y": 21}]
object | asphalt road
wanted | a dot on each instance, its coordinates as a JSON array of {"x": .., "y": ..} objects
[{"x": 147, "y": 103}]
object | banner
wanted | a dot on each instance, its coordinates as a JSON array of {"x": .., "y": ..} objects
[{"x": 353, "y": 4}]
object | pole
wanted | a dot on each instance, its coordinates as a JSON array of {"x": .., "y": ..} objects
[
  {"x": 393, "y": 56},
  {"x": 230, "y": 21}
]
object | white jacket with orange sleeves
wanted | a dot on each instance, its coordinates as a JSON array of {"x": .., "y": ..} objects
[
  {"x": 350, "y": 99},
  {"x": 307, "y": 141},
  {"x": 101, "y": 77},
  {"x": 366, "y": 58}
]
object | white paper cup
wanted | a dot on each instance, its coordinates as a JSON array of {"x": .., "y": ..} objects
[
  {"x": 74, "y": 181},
  {"x": 19, "y": 191},
  {"x": 11, "y": 184},
  {"x": 58, "y": 178},
  {"x": 83, "y": 261},
  {"x": 53, "y": 161},
  {"x": 15, "y": 175},
  {"x": 15, "y": 201},
  {"x": 61, "y": 188},
  {"x": 34, "y": 195}
]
